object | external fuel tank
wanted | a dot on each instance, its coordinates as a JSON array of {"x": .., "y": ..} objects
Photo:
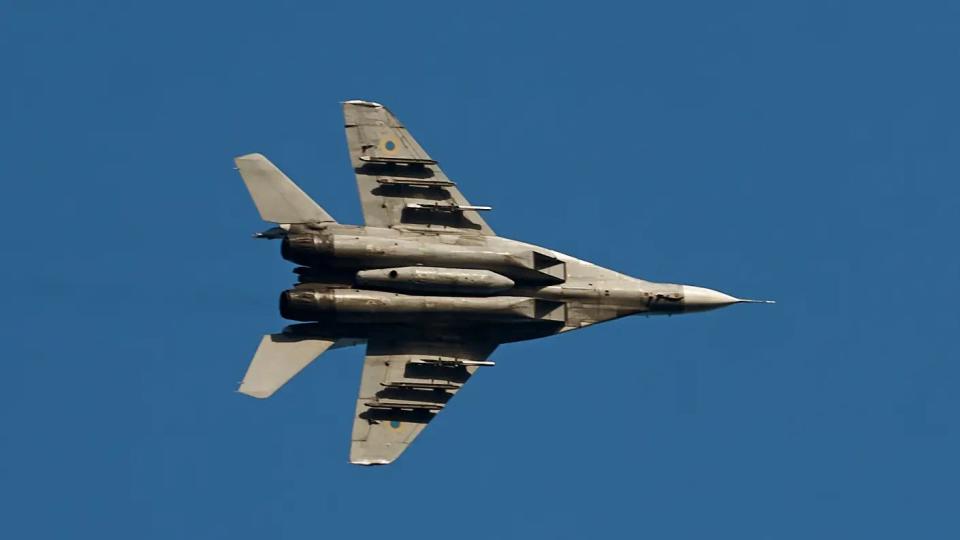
[{"x": 433, "y": 280}]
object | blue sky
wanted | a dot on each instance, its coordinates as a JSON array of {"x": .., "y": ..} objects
[{"x": 806, "y": 152}]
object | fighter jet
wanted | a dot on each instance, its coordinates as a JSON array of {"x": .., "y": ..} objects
[{"x": 425, "y": 283}]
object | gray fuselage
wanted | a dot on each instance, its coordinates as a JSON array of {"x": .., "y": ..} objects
[{"x": 369, "y": 279}]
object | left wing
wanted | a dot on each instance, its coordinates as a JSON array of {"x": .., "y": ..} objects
[
  {"x": 399, "y": 183},
  {"x": 403, "y": 386}
]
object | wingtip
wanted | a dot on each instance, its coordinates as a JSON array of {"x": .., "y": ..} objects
[
  {"x": 370, "y": 462},
  {"x": 254, "y": 393},
  {"x": 363, "y": 103},
  {"x": 254, "y": 156}
]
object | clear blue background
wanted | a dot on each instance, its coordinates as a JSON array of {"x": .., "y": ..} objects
[{"x": 806, "y": 152}]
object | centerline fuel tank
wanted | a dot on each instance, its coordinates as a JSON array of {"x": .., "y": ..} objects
[{"x": 433, "y": 280}]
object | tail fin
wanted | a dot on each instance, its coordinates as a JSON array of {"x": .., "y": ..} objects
[
  {"x": 277, "y": 198},
  {"x": 278, "y": 359}
]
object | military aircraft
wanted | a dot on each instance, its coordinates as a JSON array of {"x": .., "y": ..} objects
[{"x": 425, "y": 283}]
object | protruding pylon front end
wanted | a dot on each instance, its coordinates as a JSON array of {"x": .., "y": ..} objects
[{"x": 703, "y": 299}]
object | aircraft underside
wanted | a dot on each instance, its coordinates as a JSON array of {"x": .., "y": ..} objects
[{"x": 426, "y": 284}]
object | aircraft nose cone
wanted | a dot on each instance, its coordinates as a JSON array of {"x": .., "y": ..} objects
[{"x": 702, "y": 299}]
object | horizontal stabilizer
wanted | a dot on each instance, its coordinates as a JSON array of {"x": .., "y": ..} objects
[
  {"x": 277, "y": 198},
  {"x": 278, "y": 359}
]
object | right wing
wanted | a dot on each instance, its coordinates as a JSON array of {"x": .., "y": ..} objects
[
  {"x": 399, "y": 183},
  {"x": 403, "y": 386}
]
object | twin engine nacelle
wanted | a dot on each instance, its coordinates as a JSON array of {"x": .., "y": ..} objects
[
  {"x": 372, "y": 307},
  {"x": 341, "y": 251}
]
